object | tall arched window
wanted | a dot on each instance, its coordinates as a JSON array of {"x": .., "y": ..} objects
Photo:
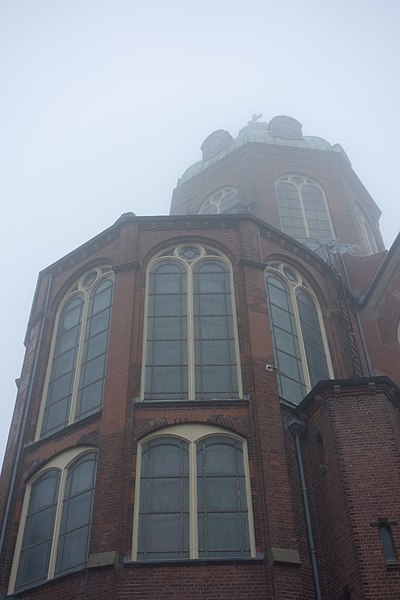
[
  {"x": 191, "y": 348},
  {"x": 300, "y": 346},
  {"x": 222, "y": 201},
  {"x": 302, "y": 208},
  {"x": 192, "y": 496},
  {"x": 55, "y": 523},
  {"x": 75, "y": 375}
]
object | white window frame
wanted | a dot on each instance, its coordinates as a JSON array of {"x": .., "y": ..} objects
[
  {"x": 278, "y": 270},
  {"x": 210, "y": 201},
  {"x": 63, "y": 462},
  {"x": 306, "y": 181},
  {"x": 161, "y": 256},
  {"x": 192, "y": 434},
  {"x": 86, "y": 294}
]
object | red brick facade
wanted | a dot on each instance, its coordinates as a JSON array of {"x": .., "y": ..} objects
[{"x": 350, "y": 449}]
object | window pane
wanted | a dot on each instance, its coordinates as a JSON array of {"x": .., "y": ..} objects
[
  {"x": 221, "y": 498},
  {"x": 63, "y": 367},
  {"x": 223, "y": 535},
  {"x": 88, "y": 398},
  {"x": 290, "y": 212},
  {"x": 55, "y": 416},
  {"x": 290, "y": 374},
  {"x": 316, "y": 212},
  {"x": 167, "y": 345},
  {"x": 76, "y": 515},
  {"x": 72, "y": 551},
  {"x": 214, "y": 344},
  {"x": 38, "y": 533},
  {"x": 291, "y": 390},
  {"x": 389, "y": 551},
  {"x": 164, "y": 500},
  {"x": 312, "y": 338},
  {"x": 90, "y": 392}
]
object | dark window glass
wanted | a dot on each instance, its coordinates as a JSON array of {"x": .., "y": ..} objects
[
  {"x": 221, "y": 499},
  {"x": 312, "y": 338},
  {"x": 38, "y": 533},
  {"x": 290, "y": 210},
  {"x": 204, "y": 365},
  {"x": 286, "y": 345},
  {"x": 299, "y": 348},
  {"x": 166, "y": 361},
  {"x": 302, "y": 209},
  {"x": 76, "y": 515},
  {"x": 389, "y": 551},
  {"x": 90, "y": 392},
  {"x": 56, "y": 412},
  {"x": 164, "y": 500},
  {"x": 214, "y": 342},
  {"x": 75, "y": 389}
]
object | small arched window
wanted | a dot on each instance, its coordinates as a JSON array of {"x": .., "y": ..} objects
[
  {"x": 75, "y": 375},
  {"x": 389, "y": 550},
  {"x": 300, "y": 346},
  {"x": 191, "y": 348},
  {"x": 222, "y": 201},
  {"x": 193, "y": 500},
  {"x": 302, "y": 208},
  {"x": 54, "y": 533}
]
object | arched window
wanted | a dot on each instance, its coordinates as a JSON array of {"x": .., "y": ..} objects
[
  {"x": 191, "y": 348},
  {"x": 193, "y": 500},
  {"x": 75, "y": 375},
  {"x": 53, "y": 538},
  {"x": 302, "y": 208},
  {"x": 224, "y": 200},
  {"x": 366, "y": 231},
  {"x": 389, "y": 550},
  {"x": 300, "y": 346}
]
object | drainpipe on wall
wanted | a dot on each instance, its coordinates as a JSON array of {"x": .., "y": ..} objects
[
  {"x": 297, "y": 427},
  {"x": 21, "y": 433}
]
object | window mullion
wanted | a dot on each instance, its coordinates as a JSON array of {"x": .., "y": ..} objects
[
  {"x": 190, "y": 334},
  {"x": 194, "y": 543},
  {"x": 57, "y": 524},
  {"x": 303, "y": 212}
]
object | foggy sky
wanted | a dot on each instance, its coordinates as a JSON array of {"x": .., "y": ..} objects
[{"x": 105, "y": 103}]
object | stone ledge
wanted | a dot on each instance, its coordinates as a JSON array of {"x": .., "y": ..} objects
[
  {"x": 102, "y": 559},
  {"x": 285, "y": 556}
]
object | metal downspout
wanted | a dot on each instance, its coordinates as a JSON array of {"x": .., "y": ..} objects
[
  {"x": 296, "y": 428},
  {"x": 24, "y": 419}
]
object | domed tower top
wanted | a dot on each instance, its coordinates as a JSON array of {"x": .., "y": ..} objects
[{"x": 300, "y": 184}]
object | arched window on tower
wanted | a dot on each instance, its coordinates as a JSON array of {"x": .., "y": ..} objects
[
  {"x": 222, "y": 201},
  {"x": 53, "y": 537},
  {"x": 75, "y": 375},
  {"x": 302, "y": 208},
  {"x": 300, "y": 345},
  {"x": 366, "y": 231},
  {"x": 192, "y": 496},
  {"x": 191, "y": 349}
]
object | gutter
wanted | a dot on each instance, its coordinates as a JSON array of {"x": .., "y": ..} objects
[{"x": 297, "y": 428}]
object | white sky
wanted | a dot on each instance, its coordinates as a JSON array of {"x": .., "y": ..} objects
[{"x": 105, "y": 103}]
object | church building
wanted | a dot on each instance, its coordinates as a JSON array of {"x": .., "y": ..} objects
[{"x": 209, "y": 404}]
